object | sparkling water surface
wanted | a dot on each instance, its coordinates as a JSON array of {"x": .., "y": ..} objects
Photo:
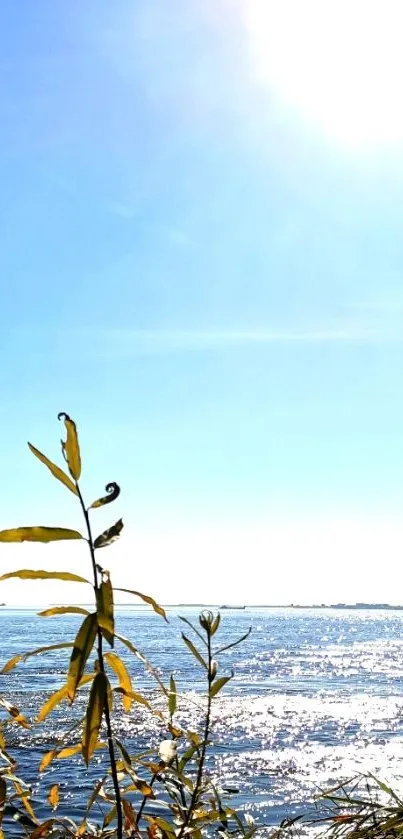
[{"x": 317, "y": 696}]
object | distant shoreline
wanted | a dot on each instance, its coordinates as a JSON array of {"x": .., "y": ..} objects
[{"x": 297, "y": 606}]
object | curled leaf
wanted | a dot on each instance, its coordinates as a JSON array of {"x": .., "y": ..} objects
[
  {"x": 14, "y": 712},
  {"x": 38, "y": 534},
  {"x": 71, "y": 448},
  {"x": 113, "y": 491},
  {"x": 109, "y": 536},
  {"x": 56, "y": 472}
]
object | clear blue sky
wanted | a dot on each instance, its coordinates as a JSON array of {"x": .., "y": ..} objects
[{"x": 207, "y": 276}]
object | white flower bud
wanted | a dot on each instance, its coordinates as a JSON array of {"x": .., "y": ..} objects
[
  {"x": 167, "y": 750},
  {"x": 213, "y": 668}
]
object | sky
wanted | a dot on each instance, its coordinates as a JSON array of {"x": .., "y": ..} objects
[{"x": 201, "y": 262}]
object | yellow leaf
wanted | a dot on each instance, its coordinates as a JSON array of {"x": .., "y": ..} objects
[
  {"x": 71, "y": 448},
  {"x": 109, "y": 536},
  {"x": 94, "y": 714},
  {"x": 25, "y": 801},
  {"x": 58, "y": 696},
  {"x": 121, "y": 672},
  {"x": 83, "y": 645},
  {"x": 147, "y": 599},
  {"x": 63, "y": 610},
  {"x": 14, "y": 712},
  {"x": 53, "y": 796},
  {"x": 134, "y": 697},
  {"x": 69, "y": 751},
  {"x": 2, "y": 739},
  {"x": 11, "y": 663},
  {"x": 45, "y": 575},
  {"x": 56, "y": 472},
  {"x": 105, "y": 610},
  {"x": 113, "y": 491},
  {"x": 38, "y": 534}
]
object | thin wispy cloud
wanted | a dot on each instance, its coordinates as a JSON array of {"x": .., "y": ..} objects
[{"x": 165, "y": 341}]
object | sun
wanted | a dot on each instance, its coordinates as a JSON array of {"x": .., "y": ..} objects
[{"x": 338, "y": 63}]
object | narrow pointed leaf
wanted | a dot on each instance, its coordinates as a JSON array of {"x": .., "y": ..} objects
[
  {"x": 27, "y": 574},
  {"x": 122, "y": 673},
  {"x": 143, "y": 659},
  {"x": 58, "y": 697},
  {"x": 56, "y": 472},
  {"x": 14, "y": 712},
  {"x": 125, "y": 753},
  {"x": 25, "y": 801},
  {"x": 83, "y": 645},
  {"x": 194, "y": 650},
  {"x": 71, "y": 448},
  {"x": 172, "y": 696},
  {"x": 234, "y": 643},
  {"x": 63, "y": 610},
  {"x": 218, "y": 684},
  {"x": 105, "y": 616},
  {"x": 109, "y": 536},
  {"x": 133, "y": 696},
  {"x": 12, "y": 662},
  {"x": 38, "y": 534},
  {"x": 53, "y": 796},
  {"x": 94, "y": 714},
  {"x": 113, "y": 491},
  {"x": 3, "y": 794},
  {"x": 147, "y": 599}
]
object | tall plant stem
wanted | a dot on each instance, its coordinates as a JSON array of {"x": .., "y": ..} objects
[
  {"x": 199, "y": 778},
  {"x": 111, "y": 748}
]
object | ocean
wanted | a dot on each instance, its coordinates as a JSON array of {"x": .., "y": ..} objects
[{"x": 317, "y": 696}]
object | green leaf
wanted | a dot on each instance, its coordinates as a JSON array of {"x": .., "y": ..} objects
[
  {"x": 120, "y": 670},
  {"x": 38, "y": 534},
  {"x": 147, "y": 599},
  {"x": 109, "y": 536},
  {"x": 58, "y": 697},
  {"x": 234, "y": 643},
  {"x": 104, "y": 595},
  {"x": 143, "y": 659},
  {"x": 94, "y": 714},
  {"x": 172, "y": 696},
  {"x": 215, "y": 624},
  {"x": 11, "y": 663},
  {"x": 125, "y": 753},
  {"x": 56, "y": 472},
  {"x": 218, "y": 684},
  {"x": 27, "y": 574},
  {"x": 63, "y": 610},
  {"x": 194, "y": 650},
  {"x": 83, "y": 645},
  {"x": 113, "y": 491},
  {"x": 70, "y": 447}
]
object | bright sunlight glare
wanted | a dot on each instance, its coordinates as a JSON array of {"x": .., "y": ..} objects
[{"x": 338, "y": 63}]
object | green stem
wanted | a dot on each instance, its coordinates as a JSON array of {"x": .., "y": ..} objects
[
  {"x": 199, "y": 778},
  {"x": 112, "y": 756}
]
